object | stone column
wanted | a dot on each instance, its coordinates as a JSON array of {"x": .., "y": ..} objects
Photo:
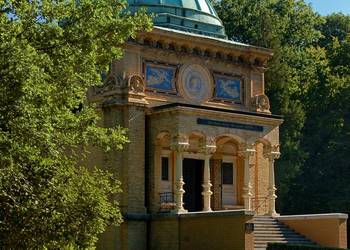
[
  {"x": 179, "y": 146},
  {"x": 247, "y": 151},
  {"x": 209, "y": 150},
  {"x": 272, "y": 153}
]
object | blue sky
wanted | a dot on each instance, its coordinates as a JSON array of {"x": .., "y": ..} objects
[{"x": 325, "y": 7}]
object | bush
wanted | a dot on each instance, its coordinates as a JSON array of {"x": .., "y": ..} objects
[{"x": 281, "y": 246}]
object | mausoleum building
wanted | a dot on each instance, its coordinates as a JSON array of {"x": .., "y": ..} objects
[{"x": 199, "y": 168}]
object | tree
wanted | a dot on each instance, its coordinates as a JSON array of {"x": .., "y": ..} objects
[
  {"x": 309, "y": 83},
  {"x": 51, "y": 52},
  {"x": 322, "y": 185},
  {"x": 289, "y": 28},
  {"x": 337, "y": 25}
]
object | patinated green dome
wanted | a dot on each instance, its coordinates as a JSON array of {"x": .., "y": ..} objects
[{"x": 195, "y": 16}]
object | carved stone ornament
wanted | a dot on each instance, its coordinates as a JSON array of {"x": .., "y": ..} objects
[
  {"x": 210, "y": 146},
  {"x": 136, "y": 84},
  {"x": 180, "y": 143},
  {"x": 261, "y": 103},
  {"x": 112, "y": 82},
  {"x": 272, "y": 152},
  {"x": 246, "y": 150},
  {"x": 195, "y": 83}
]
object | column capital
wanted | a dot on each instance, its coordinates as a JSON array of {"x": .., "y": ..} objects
[
  {"x": 272, "y": 152},
  {"x": 209, "y": 149},
  {"x": 210, "y": 146},
  {"x": 179, "y": 143},
  {"x": 246, "y": 150}
]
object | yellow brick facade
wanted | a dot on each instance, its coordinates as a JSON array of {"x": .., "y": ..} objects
[
  {"x": 159, "y": 124},
  {"x": 205, "y": 130}
]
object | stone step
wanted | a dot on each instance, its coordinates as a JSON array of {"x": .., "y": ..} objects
[
  {"x": 280, "y": 240},
  {"x": 264, "y": 244},
  {"x": 278, "y": 236},
  {"x": 273, "y": 228},
  {"x": 268, "y": 229},
  {"x": 263, "y": 247},
  {"x": 270, "y": 225},
  {"x": 267, "y": 223},
  {"x": 263, "y": 218},
  {"x": 281, "y": 232}
]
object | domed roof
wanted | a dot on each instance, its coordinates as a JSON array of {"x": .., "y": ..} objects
[{"x": 195, "y": 16}]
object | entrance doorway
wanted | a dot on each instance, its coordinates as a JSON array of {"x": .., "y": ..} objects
[{"x": 193, "y": 178}]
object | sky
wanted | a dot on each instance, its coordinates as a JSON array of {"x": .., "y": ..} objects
[{"x": 325, "y": 7}]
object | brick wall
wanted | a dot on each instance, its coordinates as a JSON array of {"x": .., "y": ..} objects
[
  {"x": 261, "y": 180},
  {"x": 164, "y": 233}
]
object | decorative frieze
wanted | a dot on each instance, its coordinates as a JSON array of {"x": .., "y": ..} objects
[{"x": 186, "y": 47}]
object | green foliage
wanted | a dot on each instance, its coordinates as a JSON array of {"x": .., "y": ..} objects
[
  {"x": 327, "y": 126},
  {"x": 289, "y": 28},
  {"x": 337, "y": 25},
  {"x": 51, "y": 52},
  {"x": 281, "y": 246},
  {"x": 308, "y": 82}
]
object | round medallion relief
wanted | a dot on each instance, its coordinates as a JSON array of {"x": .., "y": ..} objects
[{"x": 195, "y": 83}]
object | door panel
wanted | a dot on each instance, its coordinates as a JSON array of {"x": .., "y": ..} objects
[{"x": 229, "y": 195}]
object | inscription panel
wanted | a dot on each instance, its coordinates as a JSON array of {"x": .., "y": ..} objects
[{"x": 235, "y": 125}]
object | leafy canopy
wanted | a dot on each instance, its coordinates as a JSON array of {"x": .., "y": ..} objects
[
  {"x": 289, "y": 28},
  {"x": 51, "y": 52},
  {"x": 308, "y": 81}
]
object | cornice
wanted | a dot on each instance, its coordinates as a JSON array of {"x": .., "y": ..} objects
[
  {"x": 237, "y": 115},
  {"x": 186, "y": 43}
]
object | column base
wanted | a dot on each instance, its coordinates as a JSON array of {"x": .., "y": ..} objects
[
  {"x": 274, "y": 214},
  {"x": 247, "y": 201},
  {"x": 179, "y": 211}
]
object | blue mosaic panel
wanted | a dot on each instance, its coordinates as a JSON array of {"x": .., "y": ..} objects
[
  {"x": 160, "y": 77},
  {"x": 227, "y": 88}
]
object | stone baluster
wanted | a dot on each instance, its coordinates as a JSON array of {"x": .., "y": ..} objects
[
  {"x": 247, "y": 151},
  {"x": 209, "y": 150},
  {"x": 179, "y": 146},
  {"x": 272, "y": 153}
]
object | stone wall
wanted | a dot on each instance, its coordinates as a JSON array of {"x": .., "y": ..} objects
[
  {"x": 202, "y": 231},
  {"x": 324, "y": 229}
]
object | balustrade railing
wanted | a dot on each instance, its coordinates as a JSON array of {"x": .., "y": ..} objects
[{"x": 167, "y": 202}]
